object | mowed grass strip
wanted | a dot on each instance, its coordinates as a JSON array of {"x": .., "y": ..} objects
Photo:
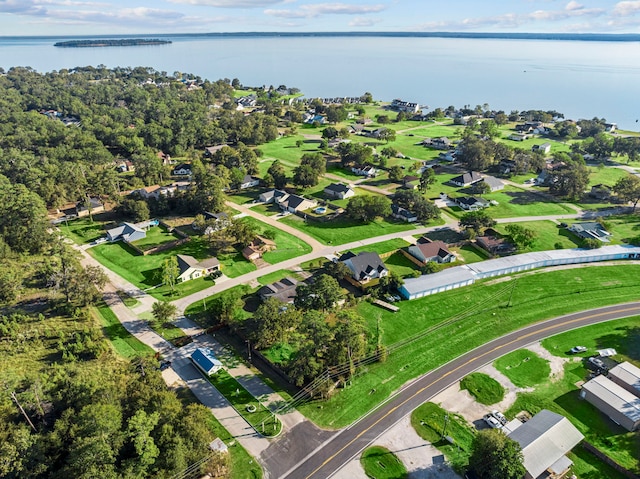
[
  {"x": 124, "y": 343},
  {"x": 483, "y": 387},
  {"x": 381, "y": 463},
  {"x": 432, "y": 423},
  {"x": 538, "y": 296},
  {"x": 523, "y": 367},
  {"x": 287, "y": 245}
]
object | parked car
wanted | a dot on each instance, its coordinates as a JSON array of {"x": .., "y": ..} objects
[
  {"x": 492, "y": 421},
  {"x": 577, "y": 349},
  {"x": 499, "y": 416},
  {"x": 597, "y": 362}
]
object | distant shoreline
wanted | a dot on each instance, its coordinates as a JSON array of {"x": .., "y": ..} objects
[
  {"x": 593, "y": 37},
  {"x": 125, "y": 42}
]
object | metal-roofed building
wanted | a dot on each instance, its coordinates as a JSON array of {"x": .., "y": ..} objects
[
  {"x": 465, "y": 275},
  {"x": 205, "y": 361},
  {"x": 545, "y": 439},
  {"x": 626, "y": 375},
  {"x": 620, "y": 405}
]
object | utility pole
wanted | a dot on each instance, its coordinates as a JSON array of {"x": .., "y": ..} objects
[
  {"x": 249, "y": 350},
  {"x": 13, "y": 396},
  {"x": 446, "y": 421}
]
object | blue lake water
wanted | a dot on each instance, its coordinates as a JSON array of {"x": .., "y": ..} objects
[{"x": 582, "y": 79}]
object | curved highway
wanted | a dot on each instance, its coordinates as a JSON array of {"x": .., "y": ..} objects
[{"x": 337, "y": 451}]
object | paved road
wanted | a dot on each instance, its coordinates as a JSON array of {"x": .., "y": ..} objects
[{"x": 327, "y": 459}]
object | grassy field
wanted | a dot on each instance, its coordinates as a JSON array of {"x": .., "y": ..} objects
[
  {"x": 623, "y": 227},
  {"x": 381, "y": 463},
  {"x": 470, "y": 254},
  {"x": 541, "y": 295},
  {"x": 399, "y": 264},
  {"x": 122, "y": 341},
  {"x": 604, "y": 175},
  {"x": 549, "y": 234},
  {"x": 198, "y": 310},
  {"x": 343, "y": 231},
  {"x": 277, "y": 276},
  {"x": 523, "y": 367},
  {"x": 261, "y": 418},
  {"x": 384, "y": 246},
  {"x": 429, "y": 421},
  {"x": 156, "y": 236},
  {"x": 483, "y": 387},
  {"x": 287, "y": 245},
  {"x": 82, "y": 230}
]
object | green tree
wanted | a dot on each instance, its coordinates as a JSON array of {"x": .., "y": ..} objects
[
  {"x": 387, "y": 135},
  {"x": 170, "y": 272},
  {"x": 477, "y": 221},
  {"x": 271, "y": 323},
  {"x": 368, "y": 208},
  {"x": 163, "y": 311},
  {"x": 628, "y": 189},
  {"x": 139, "y": 429},
  {"x": 337, "y": 269},
  {"x": 305, "y": 176},
  {"x": 427, "y": 178},
  {"x": 489, "y": 128},
  {"x": 322, "y": 294},
  {"x": 226, "y": 306},
  {"x": 494, "y": 455},
  {"x": 23, "y": 218},
  {"x": 396, "y": 173},
  {"x": 136, "y": 210},
  {"x": 570, "y": 181},
  {"x": 520, "y": 236},
  {"x": 413, "y": 201},
  {"x": 279, "y": 174}
]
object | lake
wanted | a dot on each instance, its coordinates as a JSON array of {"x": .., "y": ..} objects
[{"x": 581, "y": 79}]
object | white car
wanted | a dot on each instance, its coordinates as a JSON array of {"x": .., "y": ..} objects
[
  {"x": 499, "y": 416},
  {"x": 492, "y": 421},
  {"x": 577, "y": 349}
]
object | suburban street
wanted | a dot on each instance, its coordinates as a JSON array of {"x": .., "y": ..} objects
[{"x": 330, "y": 456}]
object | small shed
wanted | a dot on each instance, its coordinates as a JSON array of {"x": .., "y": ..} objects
[{"x": 205, "y": 361}]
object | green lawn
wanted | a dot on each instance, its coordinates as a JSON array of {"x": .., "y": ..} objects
[
  {"x": 198, "y": 311},
  {"x": 277, "y": 276},
  {"x": 82, "y": 230},
  {"x": 248, "y": 195},
  {"x": 122, "y": 341},
  {"x": 287, "y": 245},
  {"x": 515, "y": 202},
  {"x": 549, "y": 234},
  {"x": 156, "y": 236},
  {"x": 536, "y": 297},
  {"x": 234, "y": 264},
  {"x": 483, "y": 387},
  {"x": 623, "y": 227},
  {"x": 381, "y": 463},
  {"x": 262, "y": 420},
  {"x": 267, "y": 210},
  {"x": 605, "y": 175},
  {"x": 399, "y": 264},
  {"x": 342, "y": 231},
  {"x": 523, "y": 367},
  {"x": 167, "y": 330},
  {"x": 384, "y": 246},
  {"x": 128, "y": 301},
  {"x": 470, "y": 253},
  {"x": 432, "y": 423}
]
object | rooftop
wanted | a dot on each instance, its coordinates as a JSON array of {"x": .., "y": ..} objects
[{"x": 615, "y": 396}]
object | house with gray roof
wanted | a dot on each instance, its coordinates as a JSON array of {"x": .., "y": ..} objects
[
  {"x": 249, "y": 181},
  {"x": 494, "y": 183},
  {"x": 339, "y": 191},
  {"x": 295, "y": 203},
  {"x": 190, "y": 268},
  {"x": 273, "y": 196},
  {"x": 627, "y": 376},
  {"x": 426, "y": 251},
  {"x": 590, "y": 230},
  {"x": 545, "y": 439},
  {"x": 466, "y": 179},
  {"x": 128, "y": 232},
  {"x": 403, "y": 214},
  {"x": 364, "y": 266},
  {"x": 620, "y": 405},
  {"x": 283, "y": 290}
]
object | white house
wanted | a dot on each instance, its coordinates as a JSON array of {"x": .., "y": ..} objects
[
  {"x": 183, "y": 169},
  {"x": 248, "y": 181},
  {"x": 339, "y": 191},
  {"x": 190, "y": 268},
  {"x": 366, "y": 170},
  {"x": 364, "y": 266}
]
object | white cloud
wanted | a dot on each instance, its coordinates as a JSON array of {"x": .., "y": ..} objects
[
  {"x": 573, "y": 5},
  {"x": 624, "y": 9},
  {"x": 232, "y": 3},
  {"x": 363, "y": 22},
  {"x": 22, "y": 7},
  {"x": 315, "y": 10}
]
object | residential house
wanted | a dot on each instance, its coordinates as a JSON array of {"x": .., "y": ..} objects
[
  {"x": 257, "y": 248},
  {"x": 494, "y": 183},
  {"x": 295, "y": 204},
  {"x": 545, "y": 439},
  {"x": 507, "y": 166},
  {"x": 466, "y": 179},
  {"x": 610, "y": 127},
  {"x": 519, "y": 137},
  {"x": 272, "y": 196},
  {"x": 449, "y": 156},
  {"x": 492, "y": 242},
  {"x": 410, "y": 182},
  {"x": 215, "y": 222},
  {"x": 249, "y": 181},
  {"x": 127, "y": 232},
  {"x": 283, "y": 290},
  {"x": 165, "y": 158},
  {"x": 543, "y": 148},
  {"x": 364, "y": 121},
  {"x": 364, "y": 266},
  {"x": 425, "y": 251},
  {"x": 95, "y": 205},
  {"x": 601, "y": 192},
  {"x": 356, "y": 129},
  {"x": 403, "y": 214},
  {"x": 591, "y": 230},
  {"x": 619, "y": 404},
  {"x": 211, "y": 150},
  {"x": 248, "y": 101},
  {"x": 183, "y": 169},
  {"x": 206, "y": 361},
  {"x": 442, "y": 143},
  {"x": 364, "y": 170},
  {"x": 190, "y": 268},
  {"x": 470, "y": 203},
  {"x": 405, "y": 106},
  {"x": 156, "y": 191},
  {"x": 125, "y": 166},
  {"x": 339, "y": 191}
]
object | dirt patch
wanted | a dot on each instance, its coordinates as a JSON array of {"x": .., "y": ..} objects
[{"x": 556, "y": 363}]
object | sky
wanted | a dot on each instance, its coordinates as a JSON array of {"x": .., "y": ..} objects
[{"x": 101, "y": 17}]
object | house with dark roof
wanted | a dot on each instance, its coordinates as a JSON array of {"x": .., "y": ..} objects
[
  {"x": 248, "y": 181},
  {"x": 364, "y": 266},
  {"x": 257, "y": 248},
  {"x": 95, "y": 205},
  {"x": 283, "y": 290},
  {"x": 601, "y": 192},
  {"x": 403, "y": 214},
  {"x": 295, "y": 203},
  {"x": 442, "y": 143},
  {"x": 190, "y": 268},
  {"x": 426, "y": 251},
  {"x": 365, "y": 170},
  {"x": 183, "y": 169},
  {"x": 590, "y": 230},
  {"x": 495, "y": 244},
  {"x": 206, "y": 361},
  {"x": 339, "y": 191},
  {"x": 128, "y": 232},
  {"x": 470, "y": 203},
  {"x": 466, "y": 179},
  {"x": 545, "y": 439}
]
